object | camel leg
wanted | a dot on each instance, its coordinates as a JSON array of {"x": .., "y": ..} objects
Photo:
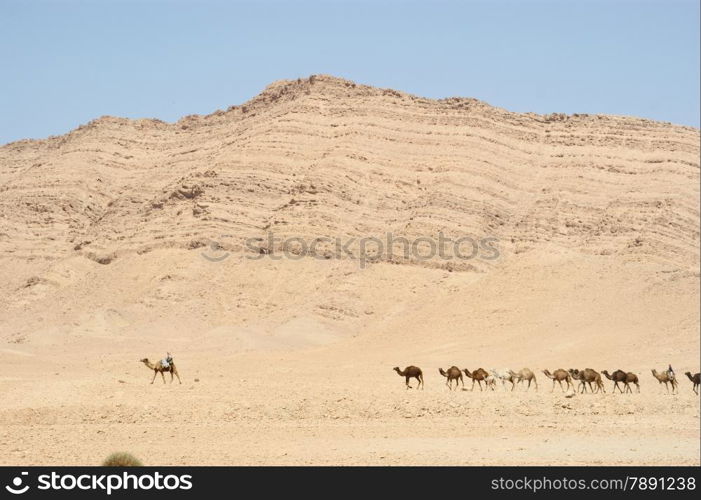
[
  {"x": 473, "y": 384},
  {"x": 407, "y": 383},
  {"x": 461, "y": 381},
  {"x": 163, "y": 377},
  {"x": 177, "y": 375},
  {"x": 615, "y": 384},
  {"x": 154, "y": 376},
  {"x": 513, "y": 386},
  {"x": 529, "y": 385}
]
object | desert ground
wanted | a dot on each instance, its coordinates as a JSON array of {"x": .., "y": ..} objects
[{"x": 107, "y": 257}]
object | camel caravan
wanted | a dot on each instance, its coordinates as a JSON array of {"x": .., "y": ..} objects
[{"x": 584, "y": 379}]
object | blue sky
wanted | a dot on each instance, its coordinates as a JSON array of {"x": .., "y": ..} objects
[{"x": 67, "y": 62}]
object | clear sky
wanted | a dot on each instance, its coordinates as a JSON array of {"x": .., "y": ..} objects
[{"x": 63, "y": 63}]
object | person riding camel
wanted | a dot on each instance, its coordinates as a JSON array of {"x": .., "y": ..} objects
[{"x": 167, "y": 361}]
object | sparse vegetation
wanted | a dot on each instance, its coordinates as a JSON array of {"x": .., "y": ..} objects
[{"x": 122, "y": 459}]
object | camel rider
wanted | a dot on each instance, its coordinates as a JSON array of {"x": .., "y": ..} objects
[{"x": 167, "y": 361}]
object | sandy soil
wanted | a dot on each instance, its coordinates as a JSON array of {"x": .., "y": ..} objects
[{"x": 102, "y": 242}]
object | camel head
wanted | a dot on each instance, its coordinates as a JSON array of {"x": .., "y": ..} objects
[
  {"x": 145, "y": 360},
  {"x": 396, "y": 369}
]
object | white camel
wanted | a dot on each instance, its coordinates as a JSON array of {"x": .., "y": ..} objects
[{"x": 505, "y": 375}]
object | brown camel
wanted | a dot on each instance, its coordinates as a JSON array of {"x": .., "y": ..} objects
[
  {"x": 478, "y": 376},
  {"x": 587, "y": 376},
  {"x": 695, "y": 379},
  {"x": 453, "y": 373},
  {"x": 525, "y": 374},
  {"x": 159, "y": 368},
  {"x": 632, "y": 378},
  {"x": 666, "y": 377},
  {"x": 558, "y": 376},
  {"x": 617, "y": 376},
  {"x": 411, "y": 372}
]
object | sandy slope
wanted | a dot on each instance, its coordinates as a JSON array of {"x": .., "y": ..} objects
[{"x": 103, "y": 233}]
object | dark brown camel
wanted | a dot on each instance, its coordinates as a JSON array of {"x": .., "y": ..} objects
[
  {"x": 453, "y": 373},
  {"x": 619, "y": 376},
  {"x": 159, "y": 368},
  {"x": 478, "y": 376},
  {"x": 695, "y": 379},
  {"x": 558, "y": 376},
  {"x": 411, "y": 372},
  {"x": 632, "y": 378}
]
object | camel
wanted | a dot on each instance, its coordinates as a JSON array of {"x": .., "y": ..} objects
[
  {"x": 159, "y": 368},
  {"x": 525, "y": 374},
  {"x": 587, "y": 376},
  {"x": 453, "y": 373},
  {"x": 632, "y": 378},
  {"x": 577, "y": 375},
  {"x": 505, "y": 375},
  {"x": 666, "y": 378},
  {"x": 695, "y": 379},
  {"x": 411, "y": 372},
  {"x": 477, "y": 376},
  {"x": 558, "y": 376},
  {"x": 617, "y": 376},
  {"x": 491, "y": 382}
]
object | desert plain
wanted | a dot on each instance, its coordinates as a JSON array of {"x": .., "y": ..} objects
[{"x": 125, "y": 239}]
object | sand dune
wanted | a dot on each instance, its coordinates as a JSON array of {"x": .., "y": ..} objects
[{"x": 107, "y": 256}]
